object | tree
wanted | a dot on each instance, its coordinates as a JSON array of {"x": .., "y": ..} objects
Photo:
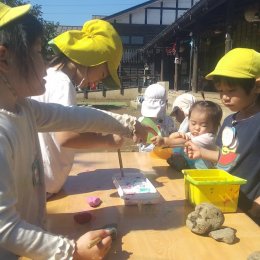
[{"x": 50, "y": 28}]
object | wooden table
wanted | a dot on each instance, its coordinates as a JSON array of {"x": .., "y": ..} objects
[{"x": 149, "y": 232}]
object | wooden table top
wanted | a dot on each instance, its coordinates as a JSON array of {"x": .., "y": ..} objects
[{"x": 147, "y": 232}]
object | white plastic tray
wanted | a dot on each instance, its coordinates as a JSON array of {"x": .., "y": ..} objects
[{"x": 135, "y": 188}]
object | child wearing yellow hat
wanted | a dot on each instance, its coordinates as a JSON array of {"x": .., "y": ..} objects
[
  {"x": 22, "y": 189},
  {"x": 235, "y": 78},
  {"x": 83, "y": 58}
]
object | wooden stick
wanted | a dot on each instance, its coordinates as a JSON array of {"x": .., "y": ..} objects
[
  {"x": 120, "y": 162},
  {"x": 173, "y": 146},
  {"x": 94, "y": 242}
]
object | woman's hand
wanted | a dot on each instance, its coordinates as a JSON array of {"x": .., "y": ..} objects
[{"x": 99, "y": 251}]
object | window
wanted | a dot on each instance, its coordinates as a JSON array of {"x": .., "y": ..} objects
[
  {"x": 137, "y": 40},
  {"x": 125, "y": 39}
]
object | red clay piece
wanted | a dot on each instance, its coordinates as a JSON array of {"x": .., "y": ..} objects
[{"x": 82, "y": 217}]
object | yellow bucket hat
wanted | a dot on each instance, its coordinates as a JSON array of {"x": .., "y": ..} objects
[
  {"x": 238, "y": 63},
  {"x": 8, "y": 14},
  {"x": 97, "y": 43}
]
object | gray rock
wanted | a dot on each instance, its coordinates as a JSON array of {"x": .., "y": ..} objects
[
  {"x": 254, "y": 256},
  {"x": 226, "y": 235},
  {"x": 205, "y": 218}
]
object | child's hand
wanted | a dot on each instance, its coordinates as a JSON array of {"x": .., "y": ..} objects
[
  {"x": 177, "y": 135},
  {"x": 157, "y": 140},
  {"x": 193, "y": 151},
  {"x": 141, "y": 132},
  {"x": 99, "y": 251}
]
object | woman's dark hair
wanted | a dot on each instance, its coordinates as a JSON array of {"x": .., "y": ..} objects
[
  {"x": 58, "y": 59},
  {"x": 18, "y": 36},
  {"x": 213, "y": 110}
]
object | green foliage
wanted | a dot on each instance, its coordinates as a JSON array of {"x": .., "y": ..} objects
[{"x": 50, "y": 28}]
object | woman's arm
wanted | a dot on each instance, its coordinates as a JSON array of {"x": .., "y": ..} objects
[
  {"x": 88, "y": 140},
  {"x": 56, "y": 118}
]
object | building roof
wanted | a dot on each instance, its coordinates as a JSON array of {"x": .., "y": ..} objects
[
  {"x": 198, "y": 10},
  {"x": 130, "y": 9}
]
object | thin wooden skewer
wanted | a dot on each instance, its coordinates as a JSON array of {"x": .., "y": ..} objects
[
  {"x": 175, "y": 145},
  {"x": 120, "y": 162},
  {"x": 94, "y": 242}
]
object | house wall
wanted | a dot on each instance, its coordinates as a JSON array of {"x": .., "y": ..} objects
[
  {"x": 139, "y": 25},
  {"x": 210, "y": 32},
  {"x": 157, "y": 13}
]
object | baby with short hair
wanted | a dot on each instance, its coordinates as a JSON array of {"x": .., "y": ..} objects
[{"x": 203, "y": 121}]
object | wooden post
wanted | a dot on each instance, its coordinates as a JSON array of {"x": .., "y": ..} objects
[
  {"x": 194, "y": 80},
  {"x": 162, "y": 66},
  {"x": 85, "y": 91},
  {"x": 191, "y": 59},
  {"x": 177, "y": 63},
  {"x": 229, "y": 21},
  {"x": 228, "y": 40}
]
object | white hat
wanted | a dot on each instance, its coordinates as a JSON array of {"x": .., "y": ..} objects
[
  {"x": 183, "y": 102},
  {"x": 155, "y": 100}
]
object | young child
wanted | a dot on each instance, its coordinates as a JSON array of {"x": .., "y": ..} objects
[
  {"x": 75, "y": 50},
  {"x": 22, "y": 189},
  {"x": 154, "y": 106},
  {"x": 239, "y": 137},
  {"x": 180, "y": 110},
  {"x": 204, "y": 121}
]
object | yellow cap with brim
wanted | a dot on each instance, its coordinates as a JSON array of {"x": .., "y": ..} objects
[
  {"x": 97, "y": 43},
  {"x": 238, "y": 63},
  {"x": 9, "y": 14}
]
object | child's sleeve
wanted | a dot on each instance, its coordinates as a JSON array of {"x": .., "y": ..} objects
[
  {"x": 55, "y": 118},
  {"x": 18, "y": 236},
  {"x": 207, "y": 141}
]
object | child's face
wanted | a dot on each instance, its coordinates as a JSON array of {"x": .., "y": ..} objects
[
  {"x": 235, "y": 97},
  {"x": 199, "y": 123},
  {"x": 90, "y": 76},
  {"x": 34, "y": 84}
]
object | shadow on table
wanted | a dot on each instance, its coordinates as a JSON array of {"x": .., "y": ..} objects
[
  {"x": 101, "y": 179},
  {"x": 165, "y": 215},
  {"x": 153, "y": 218}
]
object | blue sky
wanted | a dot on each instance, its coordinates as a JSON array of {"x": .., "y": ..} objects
[{"x": 76, "y": 12}]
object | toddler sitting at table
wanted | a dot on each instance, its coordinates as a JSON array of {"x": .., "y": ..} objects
[{"x": 204, "y": 121}]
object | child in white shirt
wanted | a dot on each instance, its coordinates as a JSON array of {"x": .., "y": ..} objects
[
  {"x": 154, "y": 106},
  {"x": 22, "y": 186},
  {"x": 75, "y": 49}
]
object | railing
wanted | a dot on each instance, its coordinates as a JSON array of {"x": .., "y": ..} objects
[{"x": 126, "y": 83}]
